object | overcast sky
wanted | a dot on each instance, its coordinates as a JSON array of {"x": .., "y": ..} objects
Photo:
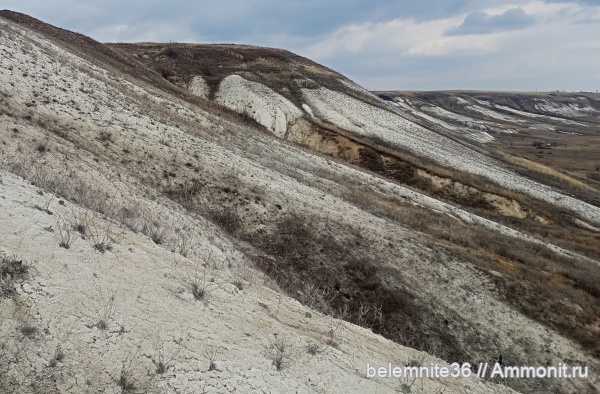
[{"x": 381, "y": 44}]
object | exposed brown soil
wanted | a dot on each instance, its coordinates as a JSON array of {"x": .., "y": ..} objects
[{"x": 518, "y": 211}]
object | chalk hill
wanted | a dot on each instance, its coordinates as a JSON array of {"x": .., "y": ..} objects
[{"x": 219, "y": 218}]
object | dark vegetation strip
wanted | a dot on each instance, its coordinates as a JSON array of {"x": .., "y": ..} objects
[{"x": 556, "y": 290}]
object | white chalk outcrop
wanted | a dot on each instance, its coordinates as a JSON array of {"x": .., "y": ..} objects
[
  {"x": 308, "y": 110},
  {"x": 258, "y": 101},
  {"x": 199, "y": 87}
]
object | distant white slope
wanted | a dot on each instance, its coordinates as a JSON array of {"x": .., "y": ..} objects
[
  {"x": 478, "y": 133},
  {"x": 362, "y": 118},
  {"x": 571, "y": 109},
  {"x": 532, "y": 115},
  {"x": 493, "y": 114}
]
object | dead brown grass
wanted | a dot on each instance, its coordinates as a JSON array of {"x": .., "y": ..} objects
[
  {"x": 545, "y": 170},
  {"x": 334, "y": 276}
]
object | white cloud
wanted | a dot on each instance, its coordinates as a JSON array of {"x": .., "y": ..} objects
[
  {"x": 403, "y": 38},
  {"x": 466, "y": 45},
  {"x": 142, "y": 33},
  {"x": 481, "y": 22},
  {"x": 555, "y": 50},
  {"x": 399, "y": 36},
  {"x": 386, "y": 44}
]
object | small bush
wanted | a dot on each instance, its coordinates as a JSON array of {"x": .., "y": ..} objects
[
  {"x": 125, "y": 381},
  {"x": 161, "y": 368},
  {"x": 199, "y": 282},
  {"x": 45, "y": 205},
  {"x": 331, "y": 339},
  {"x": 281, "y": 352},
  {"x": 105, "y": 136},
  {"x": 230, "y": 221},
  {"x": 106, "y": 311},
  {"x": 207, "y": 70},
  {"x": 158, "y": 234},
  {"x": 102, "y": 324},
  {"x": 42, "y": 148},
  {"x": 64, "y": 235},
  {"x": 166, "y": 72},
  {"x": 7, "y": 291},
  {"x": 211, "y": 355},
  {"x": 81, "y": 221},
  {"x": 184, "y": 245},
  {"x": 13, "y": 269},
  {"x": 313, "y": 348},
  {"x": 103, "y": 236},
  {"x": 170, "y": 51},
  {"x": 198, "y": 291},
  {"x": 239, "y": 284},
  {"x": 58, "y": 357},
  {"x": 28, "y": 330}
]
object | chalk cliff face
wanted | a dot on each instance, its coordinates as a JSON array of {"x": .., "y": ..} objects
[{"x": 219, "y": 218}]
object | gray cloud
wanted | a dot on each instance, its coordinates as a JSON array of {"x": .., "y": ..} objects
[
  {"x": 233, "y": 20},
  {"x": 595, "y": 3},
  {"x": 479, "y": 22},
  {"x": 555, "y": 52}
]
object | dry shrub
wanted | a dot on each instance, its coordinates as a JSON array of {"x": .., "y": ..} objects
[
  {"x": 12, "y": 271},
  {"x": 539, "y": 283},
  {"x": 105, "y": 136},
  {"x": 64, "y": 233},
  {"x": 229, "y": 220},
  {"x": 166, "y": 71},
  {"x": 336, "y": 278},
  {"x": 281, "y": 351},
  {"x": 170, "y": 51},
  {"x": 104, "y": 234}
]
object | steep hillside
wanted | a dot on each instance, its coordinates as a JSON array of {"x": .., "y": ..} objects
[
  {"x": 216, "y": 217},
  {"x": 306, "y": 103}
]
